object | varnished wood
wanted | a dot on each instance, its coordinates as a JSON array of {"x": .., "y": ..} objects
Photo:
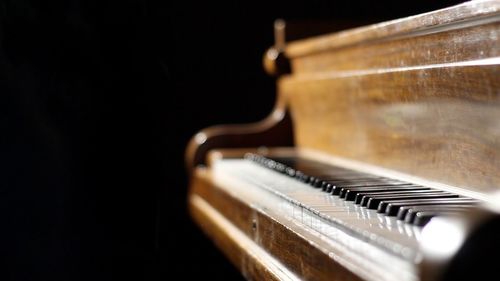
[
  {"x": 274, "y": 61},
  {"x": 477, "y": 41},
  {"x": 439, "y": 123},
  {"x": 275, "y": 130},
  {"x": 293, "y": 249},
  {"x": 419, "y": 96},
  {"x": 247, "y": 256},
  {"x": 443, "y": 20}
]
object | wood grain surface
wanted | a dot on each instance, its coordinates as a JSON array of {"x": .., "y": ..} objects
[
  {"x": 275, "y": 130},
  {"x": 295, "y": 251},
  {"x": 456, "y": 17},
  {"x": 419, "y": 95},
  {"x": 439, "y": 123},
  {"x": 462, "y": 44}
]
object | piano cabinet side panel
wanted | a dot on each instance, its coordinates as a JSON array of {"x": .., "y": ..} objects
[
  {"x": 438, "y": 122},
  {"x": 289, "y": 255},
  {"x": 239, "y": 251}
]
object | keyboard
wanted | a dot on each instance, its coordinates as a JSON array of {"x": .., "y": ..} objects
[
  {"x": 411, "y": 203},
  {"x": 378, "y": 218}
]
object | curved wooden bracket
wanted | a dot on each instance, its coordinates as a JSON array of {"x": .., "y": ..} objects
[{"x": 275, "y": 130}]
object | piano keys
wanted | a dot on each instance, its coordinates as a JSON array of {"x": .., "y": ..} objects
[
  {"x": 376, "y": 194},
  {"x": 380, "y": 160},
  {"x": 261, "y": 194}
]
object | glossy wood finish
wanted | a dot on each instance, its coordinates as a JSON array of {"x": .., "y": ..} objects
[
  {"x": 477, "y": 40},
  {"x": 419, "y": 95},
  {"x": 457, "y": 17},
  {"x": 294, "y": 249},
  {"x": 437, "y": 123},
  {"x": 274, "y": 61},
  {"x": 253, "y": 262},
  {"x": 275, "y": 130}
]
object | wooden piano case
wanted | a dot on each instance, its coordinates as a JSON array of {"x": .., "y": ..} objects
[{"x": 419, "y": 97}]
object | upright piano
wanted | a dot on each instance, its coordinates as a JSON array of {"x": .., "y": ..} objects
[{"x": 380, "y": 160}]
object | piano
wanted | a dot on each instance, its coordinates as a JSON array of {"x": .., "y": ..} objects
[{"x": 380, "y": 160}]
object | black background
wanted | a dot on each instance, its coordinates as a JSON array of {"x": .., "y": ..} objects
[{"x": 98, "y": 101}]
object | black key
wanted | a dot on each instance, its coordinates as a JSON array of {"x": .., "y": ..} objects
[
  {"x": 309, "y": 169},
  {"x": 301, "y": 176},
  {"x": 314, "y": 182},
  {"x": 361, "y": 183},
  {"x": 363, "y": 197},
  {"x": 317, "y": 171},
  {"x": 382, "y": 207},
  {"x": 341, "y": 173},
  {"x": 394, "y": 207},
  {"x": 290, "y": 172},
  {"x": 349, "y": 178},
  {"x": 338, "y": 187},
  {"x": 295, "y": 163},
  {"x": 330, "y": 184},
  {"x": 356, "y": 183},
  {"x": 403, "y": 208},
  {"x": 410, "y": 215},
  {"x": 360, "y": 180},
  {"x": 349, "y": 193},
  {"x": 292, "y": 161},
  {"x": 349, "y": 183},
  {"x": 374, "y": 201},
  {"x": 422, "y": 218},
  {"x": 328, "y": 188}
]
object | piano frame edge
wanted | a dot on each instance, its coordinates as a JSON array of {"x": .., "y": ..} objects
[
  {"x": 252, "y": 261},
  {"x": 263, "y": 248},
  {"x": 292, "y": 253},
  {"x": 273, "y": 131}
]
